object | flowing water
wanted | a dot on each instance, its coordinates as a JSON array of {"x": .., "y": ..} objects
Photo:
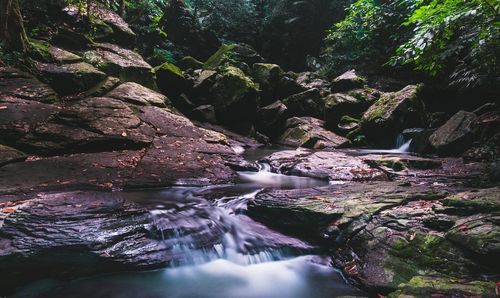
[{"x": 217, "y": 251}]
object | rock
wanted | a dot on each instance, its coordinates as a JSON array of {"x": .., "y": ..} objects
[
  {"x": 269, "y": 77},
  {"x": 205, "y": 113},
  {"x": 309, "y": 80},
  {"x": 235, "y": 97},
  {"x": 456, "y": 135},
  {"x": 348, "y": 124},
  {"x": 420, "y": 142},
  {"x": 392, "y": 113},
  {"x": 70, "y": 78},
  {"x": 122, "y": 33},
  {"x": 138, "y": 95},
  {"x": 326, "y": 165},
  {"x": 102, "y": 88},
  {"x": 236, "y": 55},
  {"x": 310, "y": 133},
  {"x": 339, "y": 104},
  {"x": 202, "y": 82},
  {"x": 432, "y": 286},
  {"x": 308, "y": 103},
  {"x": 400, "y": 163},
  {"x": 184, "y": 30},
  {"x": 9, "y": 155},
  {"x": 189, "y": 62},
  {"x": 90, "y": 125},
  {"x": 122, "y": 63},
  {"x": 70, "y": 39},
  {"x": 347, "y": 81},
  {"x": 170, "y": 79},
  {"x": 468, "y": 203},
  {"x": 271, "y": 118},
  {"x": 17, "y": 84},
  {"x": 45, "y": 52}
]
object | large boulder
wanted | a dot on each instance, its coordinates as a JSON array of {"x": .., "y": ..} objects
[
  {"x": 391, "y": 114},
  {"x": 122, "y": 63},
  {"x": 456, "y": 135},
  {"x": 120, "y": 31},
  {"x": 71, "y": 78},
  {"x": 235, "y": 97},
  {"x": 45, "y": 52},
  {"x": 308, "y": 103},
  {"x": 17, "y": 84},
  {"x": 352, "y": 104},
  {"x": 310, "y": 133},
  {"x": 139, "y": 95},
  {"x": 347, "y": 81},
  {"x": 170, "y": 79},
  {"x": 271, "y": 118},
  {"x": 238, "y": 55}
]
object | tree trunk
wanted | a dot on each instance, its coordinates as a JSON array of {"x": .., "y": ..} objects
[
  {"x": 12, "y": 31},
  {"x": 121, "y": 7}
]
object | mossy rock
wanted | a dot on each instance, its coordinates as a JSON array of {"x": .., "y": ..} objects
[
  {"x": 10, "y": 155},
  {"x": 235, "y": 96},
  {"x": 189, "y": 62},
  {"x": 485, "y": 200},
  {"x": 45, "y": 52},
  {"x": 347, "y": 81},
  {"x": 237, "y": 55},
  {"x": 170, "y": 79},
  {"x": 440, "y": 286}
]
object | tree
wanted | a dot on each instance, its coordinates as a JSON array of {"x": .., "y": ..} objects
[{"x": 12, "y": 32}]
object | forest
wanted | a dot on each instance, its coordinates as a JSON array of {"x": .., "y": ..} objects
[{"x": 250, "y": 148}]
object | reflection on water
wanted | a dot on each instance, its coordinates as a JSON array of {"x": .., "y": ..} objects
[{"x": 293, "y": 278}]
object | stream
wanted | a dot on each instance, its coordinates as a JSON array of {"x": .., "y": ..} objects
[{"x": 218, "y": 251}]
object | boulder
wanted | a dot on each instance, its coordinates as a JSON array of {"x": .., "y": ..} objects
[
  {"x": 170, "y": 79},
  {"x": 139, "y": 95},
  {"x": 189, "y": 62},
  {"x": 70, "y": 39},
  {"x": 309, "y": 80},
  {"x": 45, "y": 52},
  {"x": 238, "y": 55},
  {"x": 9, "y": 155},
  {"x": 310, "y": 133},
  {"x": 347, "y": 124},
  {"x": 17, "y": 84},
  {"x": 308, "y": 103},
  {"x": 271, "y": 118},
  {"x": 456, "y": 135},
  {"x": 204, "y": 113},
  {"x": 340, "y": 104},
  {"x": 269, "y": 77},
  {"x": 235, "y": 97},
  {"x": 332, "y": 166},
  {"x": 393, "y": 112},
  {"x": 122, "y": 63},
  {"x": 121, "y": 32},
  {"x": 69, "y": 78},
  {"x": 347, "y": 81}
]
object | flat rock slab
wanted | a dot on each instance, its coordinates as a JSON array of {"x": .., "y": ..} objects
[
  {"x": 139, "y": 95},
  {"x": 17, "y": 84},
  {"x": 327, "y": 165}
]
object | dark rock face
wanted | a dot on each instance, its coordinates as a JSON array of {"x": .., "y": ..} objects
[
  {"x": 310, "y": 133},
  {"x": 170, "y": 79},
  {"x": 183, "y": 30},
  {"x": 9, "y": 155},
  {"x": 271, "y": 118},
  {"x": 391, "y": 113},
  {"x": 308, "y": 103},
  {"x": 338, "y": 105},
  {"x": 456, "y": 135}
]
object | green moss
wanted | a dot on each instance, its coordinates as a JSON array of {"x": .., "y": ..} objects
[
  {"x": 189, "y": 62},
  {"x": 169, "y": 67},
  {"x": 41, "y": 49},
  {"x": 348, "y": 119},
  {"x": 217, "y": 59}
]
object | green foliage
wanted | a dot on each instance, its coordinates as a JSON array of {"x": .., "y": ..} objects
[
  {"x": 369, "y": 34},
  {"x": 457, "y": 38}
]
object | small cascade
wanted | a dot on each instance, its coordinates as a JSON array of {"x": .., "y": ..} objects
[{"x": 402, "y": 145}]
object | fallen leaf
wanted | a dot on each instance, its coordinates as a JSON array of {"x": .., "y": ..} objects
[{"x": 9, "y": 210}]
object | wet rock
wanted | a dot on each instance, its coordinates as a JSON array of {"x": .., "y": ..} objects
[
  {"x": 170, "y": 79},
  {"x": 17, "y": 84},
  {"x": 420, "y": 142},
  {"x": 347, "y": 81},
  {"x": 48, "y": 53},
  {"x": 393, "y": 111},
  {"x": 327, "y": 165},
  {"x": 122, "y": 63},
  {"x": 70, "y": 78},
  {"x": 235, "y": 98},
  {"x": 456, "y": 135},
  {"x": 473, "y": 202},
  {"x": 400, "y": 163},
  {"x": 139, "y": 95},
  {"x": 9, "y": 155},
  {"x": 308, "y": 103},
  {"x": 310, "y": 133},
  {"x": 271, "y": 118}
]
